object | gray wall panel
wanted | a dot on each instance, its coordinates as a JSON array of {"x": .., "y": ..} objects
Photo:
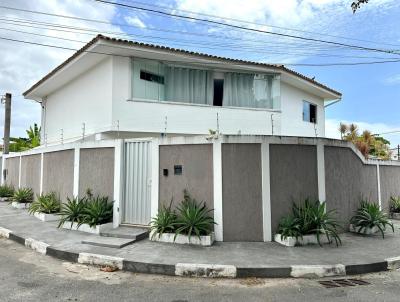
[
  {"x": 30, "y": 172},
  {"x": 12, "y": 166},
  {"x": 390, "y": 184},
  {"x": 197, "y": 176},
  {"x": 293, "y": 173},
  {"x": 96, "y": 171},
  {"x": 58, "y": 173},
  {"x": 347, "y": 181},
  {"x": 242, "y": 192}
]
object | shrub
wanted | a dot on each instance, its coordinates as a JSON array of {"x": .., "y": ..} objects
[
  {"x": 164, "y": 222},
  {"x": 310, "y": 218},
  {"x": 193, "y": 218},
  {"x": 368, "y": 216},
  {"x": 395, "y": 204},
  {"x": 23, "y": 195},
  {"x": 97, "y": 210},
  {"x": 46, "y": 203},
  {"x": 6, "y": 191},
  {"x": 73, "y": 211}
]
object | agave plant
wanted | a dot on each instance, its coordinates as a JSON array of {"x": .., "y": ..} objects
[
  {"x": 368, "y": 216},
  {"x": 6, "y": 191},
  {"x": 97, "y": 210},
  {"x": 164, "y": 222},
  {"x": 289, "y": 226},
  {"x": 46, "y": 203},
  {"x": 310, "y": 218},
  {"x": 193, "y": 218},
  {"x": 395, "y": 204},
  {"x": 72, "y": 211},
  {"x": 23, "y": 195}
]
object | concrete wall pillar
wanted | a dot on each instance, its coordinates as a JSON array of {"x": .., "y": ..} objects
[
  {"x": 118, "y": 181},
  {"x": 378, "y": 182},
  {"x": 217, "y": 173},
  {"x": 76, "y": 171},
  {"x": 266, "y": 192}
]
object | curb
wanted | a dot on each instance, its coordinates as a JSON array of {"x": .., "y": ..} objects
[{"x": 204, "y": 270}]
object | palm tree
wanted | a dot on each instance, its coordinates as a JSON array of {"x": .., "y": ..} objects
[{"x": 343, "y": 129}]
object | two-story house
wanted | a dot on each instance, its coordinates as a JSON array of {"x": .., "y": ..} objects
[{"x": 115, "y": 88}]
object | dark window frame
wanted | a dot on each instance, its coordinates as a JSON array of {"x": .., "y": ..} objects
[
  {"x": 312, "y": 112},
  {"x": 151, "y": 77}
]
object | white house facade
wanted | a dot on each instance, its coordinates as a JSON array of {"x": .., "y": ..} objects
[{"x": 119, "y": 89}]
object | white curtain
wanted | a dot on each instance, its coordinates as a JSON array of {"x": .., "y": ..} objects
[
  {"x": 188, "y": 85},
  {"x": 247, "y": 90}
]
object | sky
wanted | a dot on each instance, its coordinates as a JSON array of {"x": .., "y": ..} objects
[{"x": 371, "y": 92}]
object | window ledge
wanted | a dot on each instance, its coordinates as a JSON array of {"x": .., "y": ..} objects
[{"x": 203, "y": 105}]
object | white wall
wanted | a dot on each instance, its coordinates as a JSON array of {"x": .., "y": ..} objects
[
  {"x": 86, "y": 99},
  {"x": 292, "y": 112}
]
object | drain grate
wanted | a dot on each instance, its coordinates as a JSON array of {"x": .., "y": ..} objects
[{"x": 342, "y": 283}]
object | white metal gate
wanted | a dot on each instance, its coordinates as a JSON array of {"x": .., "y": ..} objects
[{"x": 137, "y": 183}]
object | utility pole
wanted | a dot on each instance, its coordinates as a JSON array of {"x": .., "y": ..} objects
[{"x": 7, "y": 122}]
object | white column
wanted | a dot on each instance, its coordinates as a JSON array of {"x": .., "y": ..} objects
[
  {"x": 3, "y": 166},
  {"x": 217, "y": 173},
  {"x": 155, "y": 166},
  {"x": 76, "y": 171},
  {"x": 19, "y": 172},
  {"x": 321, "y": 172},
  {"x": 266, "y": 192},
  {"x": 41, "y": 173},
  {"x": 378, "y": 179},
  {"x": 118, "y": 181}
]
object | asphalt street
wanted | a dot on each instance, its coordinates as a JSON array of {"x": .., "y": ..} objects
[{"x": 28, "y": 276}]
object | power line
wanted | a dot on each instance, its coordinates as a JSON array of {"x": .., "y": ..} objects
[
  {"x": 194, "y": 63},
  {"x": 191, "y": 44},
  {"x": 262, "y": 24},
  {"x": 242, "y": 27}
]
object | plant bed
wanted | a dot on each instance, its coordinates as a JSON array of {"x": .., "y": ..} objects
[
  {"x": 6, "y": 193},
  {"x": 5, "y": 199},
  {"x": 300, "y": 241},
  {"x": 46, "y": 217},
  {"x": 20, "y": 205},
  {"x": 364, "y": 231},
  {"x": 395, "y": 216},
  {"x": 182, "y": 239},
  {"x": 86, "y": 227}
]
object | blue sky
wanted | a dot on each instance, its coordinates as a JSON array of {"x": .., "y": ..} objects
[{"x": 371, "y": 93}]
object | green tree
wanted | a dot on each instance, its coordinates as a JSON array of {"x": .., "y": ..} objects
[{"x": 18, "y": 144}]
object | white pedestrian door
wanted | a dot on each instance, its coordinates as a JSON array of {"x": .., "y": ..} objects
[{"x": 137, "y": 183}]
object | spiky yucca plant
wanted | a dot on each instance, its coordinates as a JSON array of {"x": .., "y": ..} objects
[
  {"x": 193, "y": 218},
  {"x": 98, "y": 210},
  {"x": 46, "y": 203},
  {"x": 6, "y": 191},
  {"x": 395, "y": 204},
  {"x": 23, "y": 195},
  {"x": 164, "y": 222},
  {"x": 72, "y": 211},
  {"x": 368, "y": 216}
]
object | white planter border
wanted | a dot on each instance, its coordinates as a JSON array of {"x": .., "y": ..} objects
[
  {"x": 182, "y": 239},
  {"x": 306, "y": 240},
  {"x": 86, "y": 228},
  {"x": 369, "y": 231},
  {"x": 395, "y": 216},
  {"x": 5, "y": 199},
  {"x": 46, "y": 217},
  {"x": 18, "y": 205}
]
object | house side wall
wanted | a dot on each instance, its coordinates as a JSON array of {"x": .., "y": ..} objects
[
  {"x": 197, "y": 173},
  {"x": 12, "y": 166},
  {"x": 390, "y": 184},
  {"x": 30, "y": 172},
  {"x": 241, "y": 192},
  {"x": 292, "y": 123},
  {"x": 86, "y": 99},
  {"x": 96, "y": 171},
  {"x": 293, "y": 175},
  {"x": 58, "y": 173},
  {"x": 348, "y": 180}
]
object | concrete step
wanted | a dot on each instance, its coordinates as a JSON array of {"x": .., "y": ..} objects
[
  {"x": 110, "y": 242},
  {"x": 127, "y": 232}
]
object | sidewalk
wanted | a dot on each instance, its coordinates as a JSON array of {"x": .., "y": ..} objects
[{"x": 240, "y": 259}]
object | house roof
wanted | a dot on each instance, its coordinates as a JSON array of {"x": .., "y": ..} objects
[{"x": 85, "y": 49}]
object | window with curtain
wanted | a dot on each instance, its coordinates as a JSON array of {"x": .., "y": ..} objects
[{"x": 251, "y": 90}]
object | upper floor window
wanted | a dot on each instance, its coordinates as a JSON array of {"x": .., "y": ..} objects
[
  {"x": 157, "y": 81},
  {"x": 309, "y": 112}
]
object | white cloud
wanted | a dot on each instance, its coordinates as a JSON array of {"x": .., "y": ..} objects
[
  {"x": 21, "y": 65},
  {"x": 135, "y": 21},
  {"x": 392, "y": 80},
  {"x": 332, "y": 126}
]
